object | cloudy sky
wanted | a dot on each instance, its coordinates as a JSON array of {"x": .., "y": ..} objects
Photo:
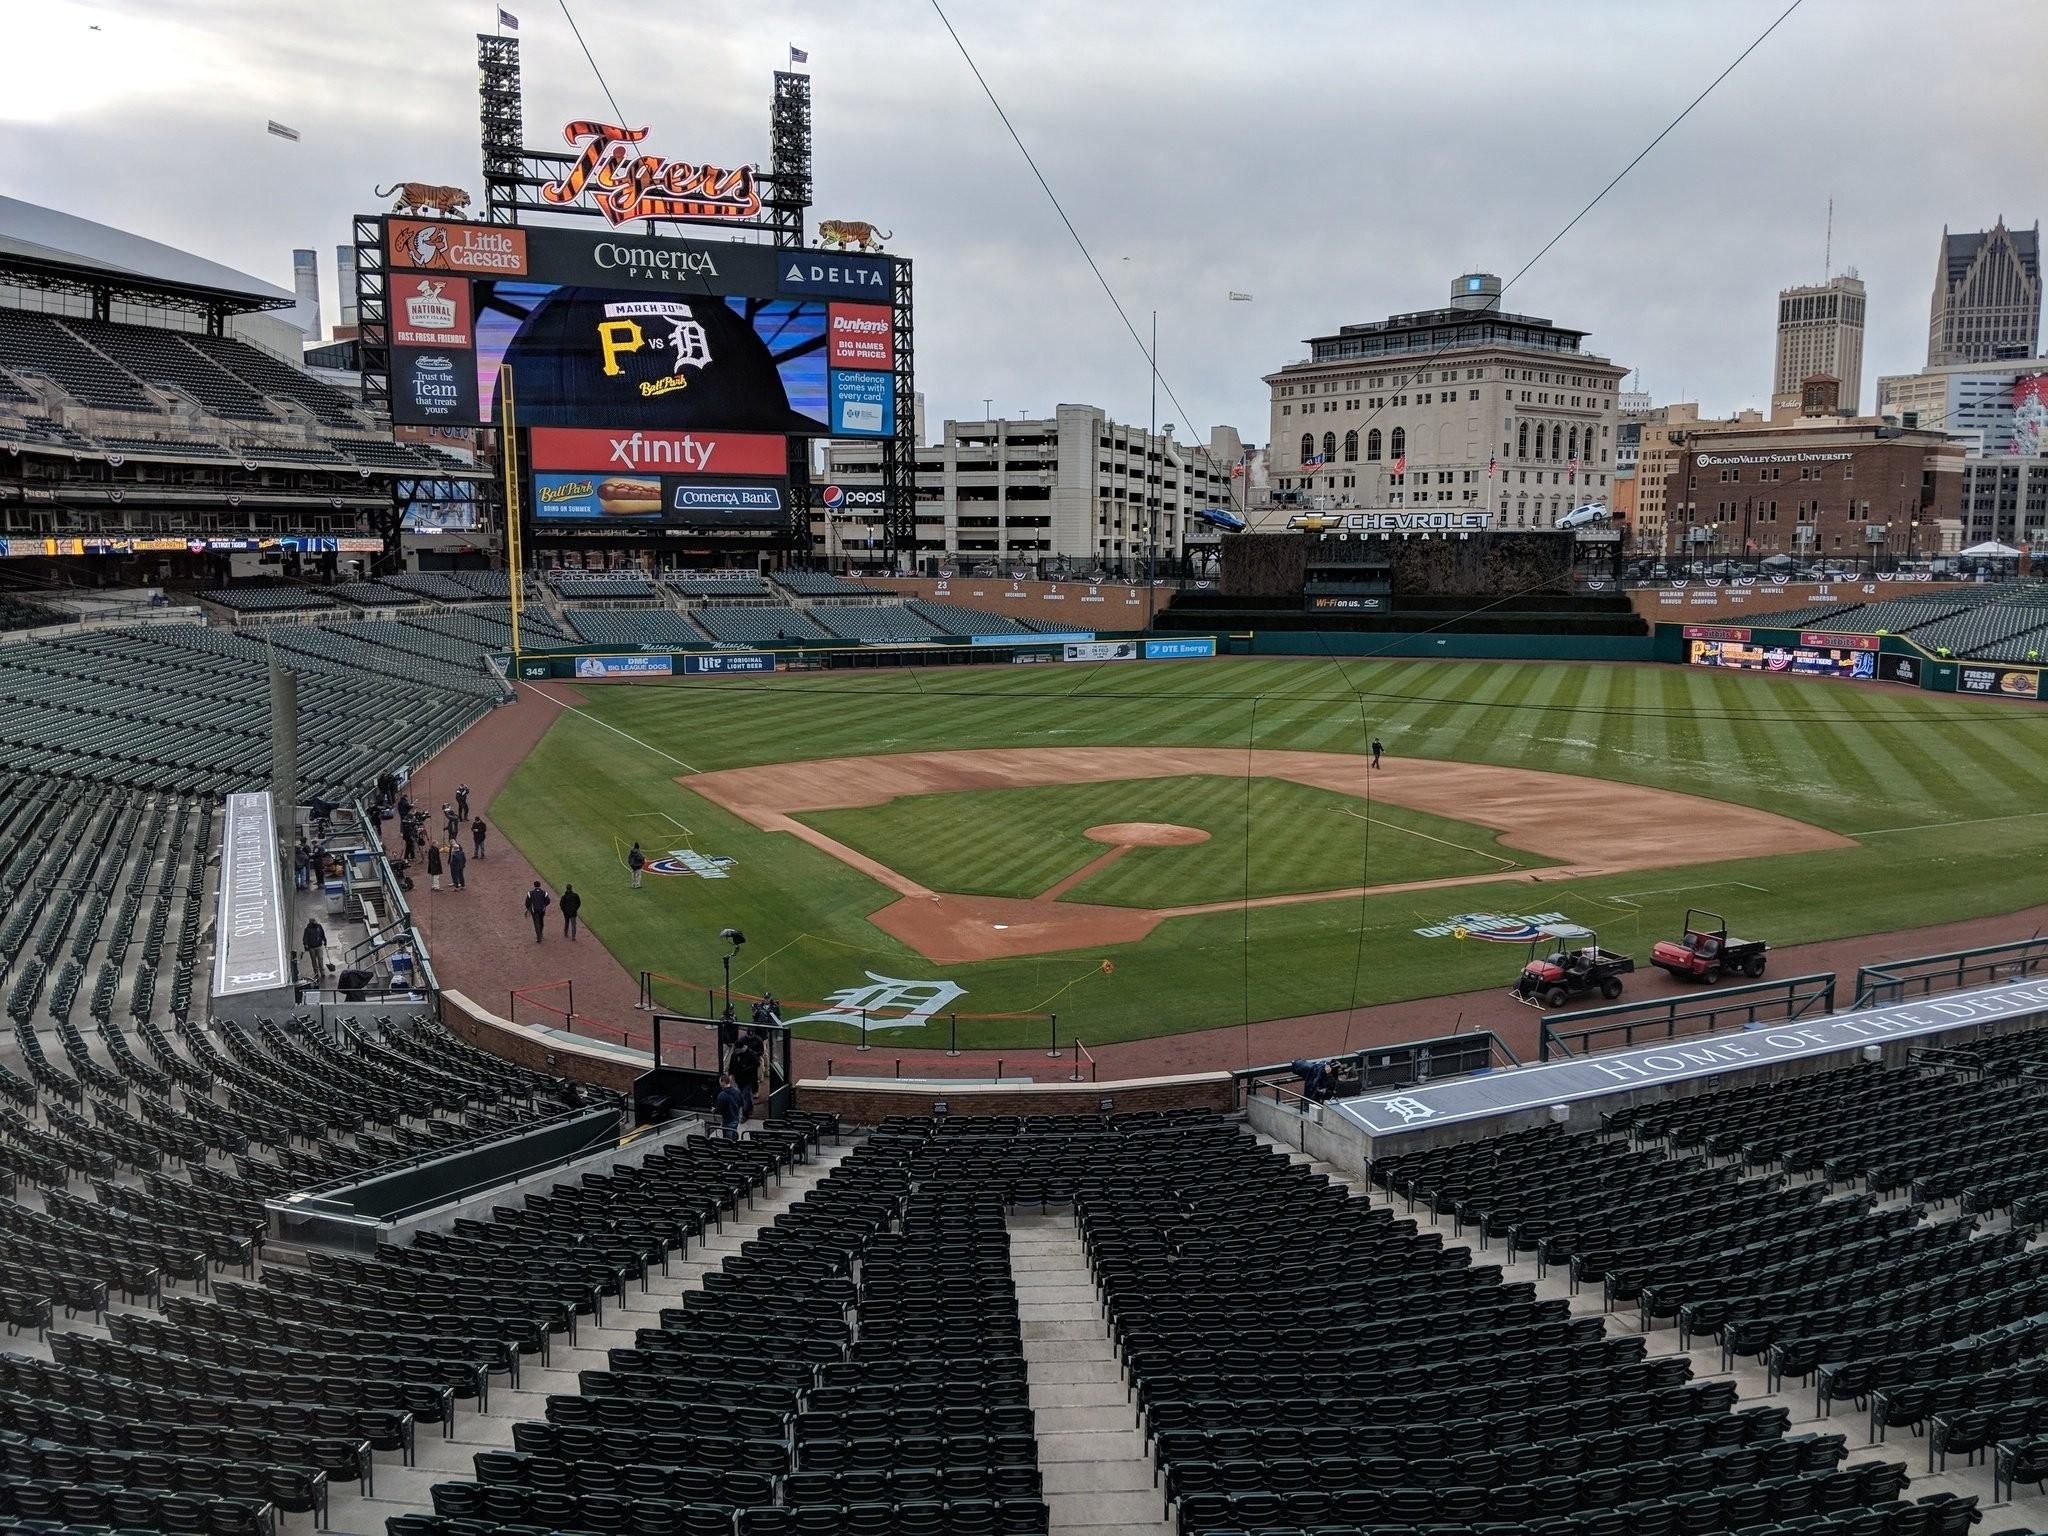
[{"x": 1337, "y": 159}]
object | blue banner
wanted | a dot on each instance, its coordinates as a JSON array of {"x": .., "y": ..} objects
[
  {"x": 863, "y": 403},
  {"x": 1065, "y": 636},
  {"x": 1166, "y": 650},
  {"x": 728, "y": 661},
  {"x": 625, "y": 666},
  {"x": 829, "y": 275}
]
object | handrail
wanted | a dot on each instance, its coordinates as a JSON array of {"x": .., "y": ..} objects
[
  {"x": 1797, "y": 996},
  {"x": 1884, "y": 983}
]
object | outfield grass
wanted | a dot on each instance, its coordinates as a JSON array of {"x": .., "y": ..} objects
[
  {"x": 1022, "y": 842},
  {"x": 1942, "y": 794}
]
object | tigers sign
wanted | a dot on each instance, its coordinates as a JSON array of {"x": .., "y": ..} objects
[{"x": 608, "y": 178}]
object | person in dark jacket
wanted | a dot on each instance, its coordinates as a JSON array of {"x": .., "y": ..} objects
[
  {"x": 314, "y": 942},
  {"x": 746, "y": 1069},
  {"x": 635, "y": 861},
  {"x": 410, "y": 833},
  {"x": 537, "y": 904},
  {"x": 454, "y": 822},
  {"x": 571, "y": 905},
  {"x": 462, "y": 802},
  {"x": 731, "y": 1105},
  {"x": 456, "y": 859},
  {"x": 476, "y": 833},
  {"x": 433, "y": 866}
]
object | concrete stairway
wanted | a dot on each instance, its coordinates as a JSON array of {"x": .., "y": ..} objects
[{"x": 1091, "y": 1454}]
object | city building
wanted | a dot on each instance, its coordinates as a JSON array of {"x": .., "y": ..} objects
[
  {"x": 1987, "y": 296},
  {"x": 1663, "y": 429},
  {"x": 1820, "y": 330},
  {"x": 1412, "y": 411},
  {"x": 1970, "y": 401},
  {"x": 1824, "y": 487},
  {"x": 1075, "y": 486},
  {"x": 2006, "y": 499},
  {"x": 306, "y": 285}
]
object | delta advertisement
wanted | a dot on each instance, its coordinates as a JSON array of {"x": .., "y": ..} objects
[
  {"x": 1804, "y": 661},
  {"x": 634, "y": 331}
]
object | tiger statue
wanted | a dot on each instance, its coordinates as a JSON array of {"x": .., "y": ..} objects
[
  {"x": 419, "y": 197},
  {"x": 843, "y": 234}
]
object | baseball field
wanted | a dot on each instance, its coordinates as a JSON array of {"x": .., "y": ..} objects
[{"x": 1147, "y": 848}]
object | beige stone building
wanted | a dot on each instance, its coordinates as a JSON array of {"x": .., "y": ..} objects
[
  {"x": 1820, "y": 330},
  {"x": 1409, "y": 412}
]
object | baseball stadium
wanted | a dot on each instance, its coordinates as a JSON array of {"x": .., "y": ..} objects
[{"x": 542, "y": 1001}]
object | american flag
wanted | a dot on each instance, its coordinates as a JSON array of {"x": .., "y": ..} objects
[
  {"x": 1401, "y": 465},
  {"x": 1572, "y": 475},
  {"x": 507, "y": 20},
  {"x": 1492, "y": 465},
  {"x": 1243, "y": 463},
  {"x": 1310, "y": 464}
]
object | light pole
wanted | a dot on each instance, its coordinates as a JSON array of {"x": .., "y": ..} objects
[
  {"x": 735, "y": 938},
  {"x": 1151, "y": 507},
  {"x": 988, "y": 407}
]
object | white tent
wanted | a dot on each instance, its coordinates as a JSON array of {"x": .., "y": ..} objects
[{"x": 1991, "y": 549}]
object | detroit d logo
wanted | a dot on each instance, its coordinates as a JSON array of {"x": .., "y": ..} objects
[
  {"x": 1409, "y": 1109},
  {"x": 621, "y": 333},
  {"x": 887, "y": 1002}
]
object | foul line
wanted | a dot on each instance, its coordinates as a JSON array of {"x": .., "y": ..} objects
[
  {"x": 1430, "y": 837},
  {"x": 1626, "y": 899},
  {"x": 586, "y": 714},
  {"x": 1936, "y": 826}
]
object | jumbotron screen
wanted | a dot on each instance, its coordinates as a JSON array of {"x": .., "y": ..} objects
[{"x": 659, "y": 378}]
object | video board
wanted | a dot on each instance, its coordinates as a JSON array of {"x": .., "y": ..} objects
[{"x": 659, "y": 378}]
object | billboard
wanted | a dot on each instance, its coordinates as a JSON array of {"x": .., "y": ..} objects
[
  {"x": 1803, "y": 661},
  {"x": 2006, "y": 682},
  {"x": 638, "y": 332},
  {"x": 625, "y": 666}
]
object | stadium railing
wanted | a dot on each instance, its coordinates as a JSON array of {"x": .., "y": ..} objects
[
  {"x": 1893, "y": 981},
  {"x": 1619, "y": 1025}
]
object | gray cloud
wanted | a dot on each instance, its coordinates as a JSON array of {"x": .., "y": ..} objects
[{"x": 1339, "y": 160}]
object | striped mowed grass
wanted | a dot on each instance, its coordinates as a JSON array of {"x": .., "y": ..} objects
[{"x": 1943, "y": 796}]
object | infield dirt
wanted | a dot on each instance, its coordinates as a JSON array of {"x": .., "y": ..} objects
[{"x": 1588, "y": 826}]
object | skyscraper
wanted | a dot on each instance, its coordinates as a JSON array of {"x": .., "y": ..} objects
[
  {"x": 1987, "y": 296},
  {"x": 1820, "y": 330}
]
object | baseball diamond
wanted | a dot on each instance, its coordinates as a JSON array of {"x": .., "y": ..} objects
[{"x": 951, "y": 827}]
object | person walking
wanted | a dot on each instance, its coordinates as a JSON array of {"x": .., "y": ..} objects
[
  {"x": 732, "y": 1108},
  {"x": 537, "y": 903},
  {"x": 456, "y": 859},
  {"x": 433, "y": 866},
  {"x": 745, "y": 1068},
  {"x": 1377, "y": 749},
  {"x": 476, "y": 832},
  {"x": 635, "y": 861},
  {"x": 462, "y": 802},
  {"x": 314, "y": 942},
  {"x": 571, "y": 905},
  {"x": 302, "y": 864}
]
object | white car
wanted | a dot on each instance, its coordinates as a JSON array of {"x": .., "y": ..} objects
[{"x": 1584, "y": 516}]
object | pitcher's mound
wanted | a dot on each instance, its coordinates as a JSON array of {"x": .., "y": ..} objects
[{"x": 1145, "y": 834}]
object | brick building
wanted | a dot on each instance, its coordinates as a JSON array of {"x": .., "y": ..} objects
[{"x": 1820, "y": 487}]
